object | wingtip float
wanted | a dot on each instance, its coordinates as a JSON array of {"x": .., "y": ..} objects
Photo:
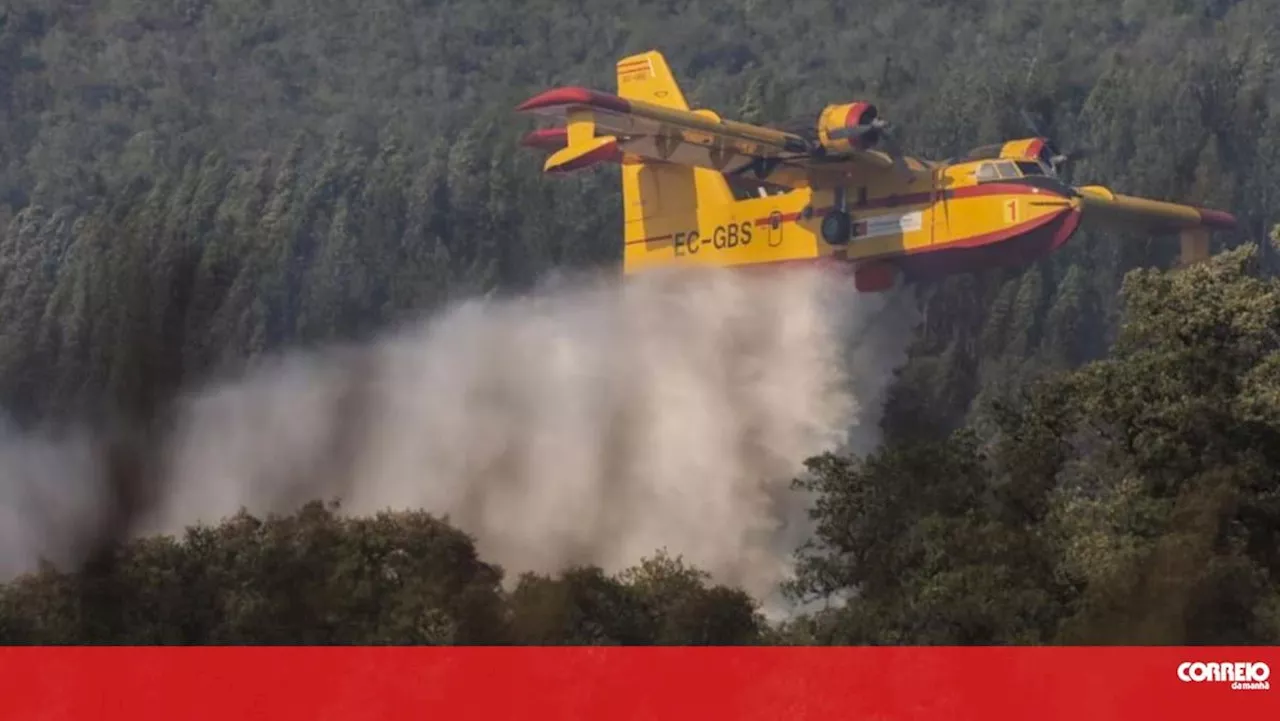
[{"x": 699, "y": 189}]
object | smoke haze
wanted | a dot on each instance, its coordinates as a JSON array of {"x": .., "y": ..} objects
[
  {"x": 51, "y": 492},
  {"x": 594, "y": 421}
]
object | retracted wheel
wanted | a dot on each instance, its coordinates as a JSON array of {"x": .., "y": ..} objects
[{"x": 835, "y": 227}]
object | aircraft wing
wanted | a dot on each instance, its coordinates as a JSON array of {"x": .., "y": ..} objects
[
  {"x": 602, "y": 126},
  {"x": 1112, "y": 208},
  {"x": 1101, "y": 206}
]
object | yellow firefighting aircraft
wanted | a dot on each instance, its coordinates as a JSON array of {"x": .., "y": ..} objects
[{"x": 701, "y": 190}]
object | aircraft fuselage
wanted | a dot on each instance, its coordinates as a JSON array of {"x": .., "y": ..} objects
[{"x": 940, "y": 220}]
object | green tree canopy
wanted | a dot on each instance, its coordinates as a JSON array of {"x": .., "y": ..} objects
[
  {"x": 317, "y": 577},
  {"x": 1130, "y": 501}
]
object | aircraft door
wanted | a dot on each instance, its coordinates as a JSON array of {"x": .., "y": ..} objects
[{"x": 775, "y": 228}]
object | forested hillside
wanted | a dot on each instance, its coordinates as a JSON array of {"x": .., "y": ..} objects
[{"x": 187, "y": 185}]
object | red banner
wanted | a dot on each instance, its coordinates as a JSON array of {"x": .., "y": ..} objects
[{"x": 551, "y": 684}]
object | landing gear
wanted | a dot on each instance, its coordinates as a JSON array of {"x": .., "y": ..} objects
[{"x": 835, "y": 227}]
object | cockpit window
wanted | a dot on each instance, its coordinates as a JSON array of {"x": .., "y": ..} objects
[
  {"x": 1030, "y": 168},
  {"x": 986, "y": 172},
  {"x": 1007, "y": 170}
]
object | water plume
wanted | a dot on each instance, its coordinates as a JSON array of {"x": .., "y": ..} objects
[{"x": 592, "y": 421}]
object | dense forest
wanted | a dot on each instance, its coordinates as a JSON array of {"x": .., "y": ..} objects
[{"x": 1083, "y": 451}]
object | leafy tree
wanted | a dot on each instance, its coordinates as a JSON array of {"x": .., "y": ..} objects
[
  {"x": 312, "y": 577},
  {"x": 395, "y": 578},
  {"x": 1128, "y": 501},
  {"x": 184, "y": 186}
]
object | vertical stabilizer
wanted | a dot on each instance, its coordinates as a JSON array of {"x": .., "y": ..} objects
[
  {"x": 647, "y": 77},
  {"x": 659, "y": 198}
]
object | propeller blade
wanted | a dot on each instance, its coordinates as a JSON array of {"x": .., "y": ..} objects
[
  {"x": 1031, "y": 124},
  {"x": 1059, "y": 157},
  {"x": 895, "y": 152},
  {"x": 886, "y": 137},
  {"x": 849, "y": 133},
  {"x": 857, "y": 131},
  {"x": 1038, "y": 132},
  {"x": 1078, "y": 153}
]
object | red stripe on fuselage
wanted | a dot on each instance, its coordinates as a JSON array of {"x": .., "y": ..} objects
[
  {"x": 650, "y": 239},
  {"x": 1016, "y": 246},
  {"x": 895, "y": 201},
  {"x": 916, "y": 199}
]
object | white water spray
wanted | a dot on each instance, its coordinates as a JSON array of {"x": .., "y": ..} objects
[{"x": 594, "y": 422}]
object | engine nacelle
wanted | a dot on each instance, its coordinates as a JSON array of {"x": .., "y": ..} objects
[{"x": 847, "y": 116}]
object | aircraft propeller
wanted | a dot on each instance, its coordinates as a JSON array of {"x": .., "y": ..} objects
[
  {"x": 858, "y": 131},
  {"x": 883, "y": 130},
  {"x": 1058, "y": 159}
]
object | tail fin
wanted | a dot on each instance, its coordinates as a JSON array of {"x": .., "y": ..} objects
[
  {"x": 647, "y": 77},
  {"x": 660, "y": 199}
]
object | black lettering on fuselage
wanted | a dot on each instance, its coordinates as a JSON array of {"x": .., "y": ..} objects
[
  {"x": 686, "y": 242},
  {"x": 722, "y": 237}
]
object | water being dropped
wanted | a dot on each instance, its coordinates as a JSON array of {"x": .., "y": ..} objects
[{"x": 592, "y": 422}]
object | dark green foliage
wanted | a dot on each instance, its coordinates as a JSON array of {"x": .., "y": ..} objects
[
  {"x": 299, "y": 173},
  {"x": 395, "y": 578},
  {"x": 186, "y": 185},
  {"x": 1130, "y": 501},
  {"x": 915, "y": 532}
]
